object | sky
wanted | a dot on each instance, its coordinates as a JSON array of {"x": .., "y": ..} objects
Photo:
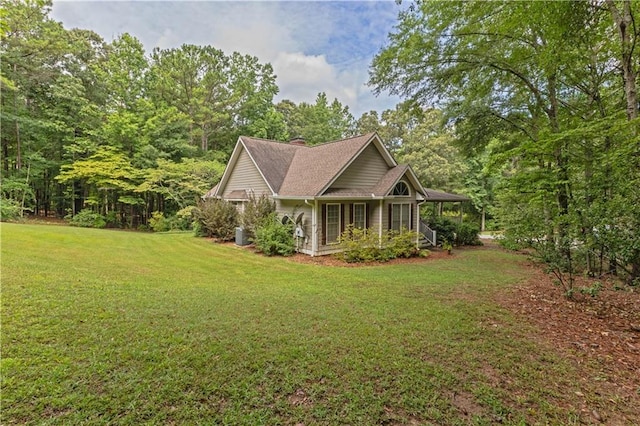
[{"x": 313, "y": 46}]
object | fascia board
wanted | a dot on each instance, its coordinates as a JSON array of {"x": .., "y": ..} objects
[
  {"x": 412, "y": 178},
  {"x": 230, "y": 165},
  {"x": 258, "y": 168},
  {"x": 416, "y": 182}
]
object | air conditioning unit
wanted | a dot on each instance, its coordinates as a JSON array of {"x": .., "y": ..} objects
[{"x": 242, "y": 237}]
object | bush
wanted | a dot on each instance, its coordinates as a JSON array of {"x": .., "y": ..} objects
[
  {"x": 256, "y": 211},
  {"x": 467, "y": 235},
  {"x": 158, "y": 222},
  {"x": 9, "y": 209},
  {"x": 445, "y": 229},
  {"x": 402, "y": 244},
  {"x": 272, "y": 237},
  {"x": 87, "y": 218},
  {"x": 184, "y": 218},
  {"x": 112, "y": 220},
  {"x": 216, "y": 218},
  {"x": 459, "y": 234},
  {"x": 361, "y": 245}
]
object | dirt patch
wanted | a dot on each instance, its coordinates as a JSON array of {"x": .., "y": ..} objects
[
  {"x": 599, "y": 335},
  {"x": 466, "y": 405},
  {"x": 299, "y": 397}
]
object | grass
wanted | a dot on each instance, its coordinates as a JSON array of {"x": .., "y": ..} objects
[{"x": 108, "y": 327}]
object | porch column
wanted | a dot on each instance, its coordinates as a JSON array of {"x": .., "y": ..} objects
[
  {"x": 417, "y": 226},
  {"x": 380, "y": 223},
  {"x": 314, "y": 228}
]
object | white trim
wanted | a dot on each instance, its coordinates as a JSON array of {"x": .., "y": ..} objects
[
  {"x": 364, "y": 217},
  {"x": 258, "y": 168},
  {"x": 380, "y": 222},
  {"x": 408, "y": 204},
  {"x": 231, "y": 165},
  {"x": 393, "y": 188},
  {"x": 326, "y": 222},
  {"x": 316, "y": 242}
]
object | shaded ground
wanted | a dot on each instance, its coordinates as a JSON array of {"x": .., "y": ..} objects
[{"x": 599, "y": 335}]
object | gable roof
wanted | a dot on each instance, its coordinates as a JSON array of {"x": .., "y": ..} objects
[
  {"x": 314, "y": 168},
  {"x": 292, "y": 170},
  {"x": 271, "y": 158}
]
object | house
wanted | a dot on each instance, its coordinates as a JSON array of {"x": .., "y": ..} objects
[{"x": 327, "y": 187}]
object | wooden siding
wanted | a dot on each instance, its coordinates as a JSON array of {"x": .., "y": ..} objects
[
  {"x": 364, "y": 172},
  {"x": 246, "y": 176}
]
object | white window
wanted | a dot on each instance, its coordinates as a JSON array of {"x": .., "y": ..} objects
[
  {"x": 359, "y": 212},
  {"x": 401, "y": 189},
  {"x": 332, "y": 223},
  {"x": 400, "y": 216}
]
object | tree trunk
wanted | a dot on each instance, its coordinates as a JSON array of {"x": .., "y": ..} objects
[
  {"x": 5, "y": 156},
  {"x": 625, "y": 24},
  {"x": 17, "y": 123}
]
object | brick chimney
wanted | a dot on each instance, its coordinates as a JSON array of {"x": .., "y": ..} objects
[{"x": 298, "y": 141}]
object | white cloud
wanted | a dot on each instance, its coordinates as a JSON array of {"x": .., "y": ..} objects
[{"x": 313, "y": 46}]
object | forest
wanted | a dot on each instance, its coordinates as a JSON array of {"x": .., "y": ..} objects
[{"x": 529, "y": 108}]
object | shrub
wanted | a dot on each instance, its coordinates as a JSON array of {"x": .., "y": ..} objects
[
  {"x": 184, "y": 218},
  {"x": 402, "y": 244},
  {"x": 272, "y": 237},
  {"x": 9, "y": 209},
  {"x": 445, "y": 229},
  {"x": 460, "y": 234},
  {"x": 87, "y": 218},
  {"x": 158, "y": 222},
  {"x": 467, "y": 235},
  {"x": 256, "y": 211},
  {"x": 216, "y": 218},
  {"x": 112, "y": 220},
  {"x": 361, "y": 245}
]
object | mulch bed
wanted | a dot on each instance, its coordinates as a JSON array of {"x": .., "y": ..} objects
[
  {"x": 599, "y": 335},
  {"x": 330, "y": 260}
]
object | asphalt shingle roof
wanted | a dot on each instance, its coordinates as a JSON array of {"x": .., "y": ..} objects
[
  {"x": 313, "y": 168},
  {"x": 306, "y": 171}
]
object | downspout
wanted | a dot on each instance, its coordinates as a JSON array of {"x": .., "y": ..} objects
[{"x": 314, "y": 226}]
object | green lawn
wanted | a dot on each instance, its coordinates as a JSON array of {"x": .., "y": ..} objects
[{"x": 109, "y": 327}]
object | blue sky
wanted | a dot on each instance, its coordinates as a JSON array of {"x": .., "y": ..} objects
[{"x": 314, "y": 46}]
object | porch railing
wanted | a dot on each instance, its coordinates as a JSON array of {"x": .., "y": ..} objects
[{"x": 429, "y": 234}]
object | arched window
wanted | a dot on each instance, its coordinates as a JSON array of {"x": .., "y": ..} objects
[{"x": 401, "y": 189}]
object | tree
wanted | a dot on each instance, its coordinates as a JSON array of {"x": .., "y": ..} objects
[
  {"x": 220, "y": 94},
  {"x": 535, "y": 78},
  {"x": 183, "y": 182},
  {"x": 106, "y": 176},
  {"x": 319, "y": 122},
  {"x": 50, "y": 97}
]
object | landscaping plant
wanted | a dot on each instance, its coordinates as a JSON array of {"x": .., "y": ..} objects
[
  {"x": 216, "y": 218},
  {"x": 274, "y": 237}
]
